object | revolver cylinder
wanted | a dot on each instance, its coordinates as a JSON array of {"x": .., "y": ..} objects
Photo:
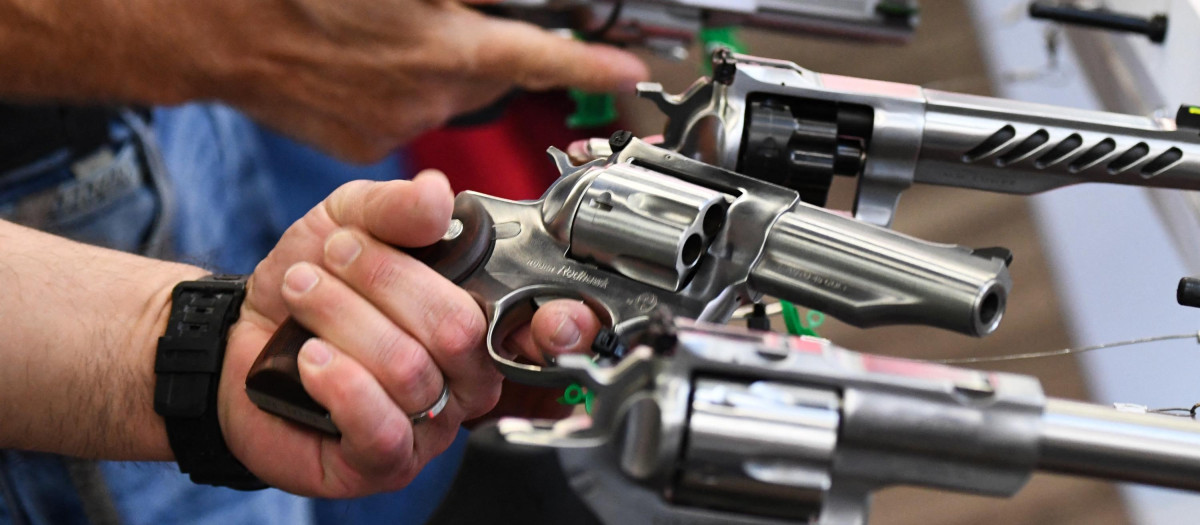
[
  {"x": 647, "y": 226},
  {"x": 764, "y": 447},
  {"x": 867, "y": 276}
]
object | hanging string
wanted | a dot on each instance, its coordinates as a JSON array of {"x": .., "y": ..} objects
[{"x": 1064, "y": 351}]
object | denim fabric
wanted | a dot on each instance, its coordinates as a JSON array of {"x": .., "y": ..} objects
[
  {"x": 226, "y": 214},
  {"x": 156, "y": 493},
  {"x": 115, "y": 197},
  {"x": 111, "y": 197},
  {"x": 233, "y": 205},
  {"x": 236, "y": 188},
  {"x": 239, "y": 186},
  {"x": 35, "y": 489}
]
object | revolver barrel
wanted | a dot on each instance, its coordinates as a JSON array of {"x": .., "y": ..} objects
[
  {"x": 1015, "y": 147},
  {"x": 867, "y": 276},
  {"x": 776, "y": 121}
]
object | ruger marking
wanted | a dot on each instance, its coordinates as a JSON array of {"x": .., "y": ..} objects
[
  {"x": 776, "y": 121},
  {"x": 650, "y": 227}
]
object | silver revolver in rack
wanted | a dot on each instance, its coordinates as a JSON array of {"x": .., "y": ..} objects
[
  {"x": 648, "y": 228},
  {"x": 668, "y": 26},
  {"x": 716, "y": 425},
  {"x": 776, "y": 121}
]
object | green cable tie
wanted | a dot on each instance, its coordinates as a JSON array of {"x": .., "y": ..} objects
[
  {"x": 575, "y": 395},
  {"x": 814, "y": 319},
  {"x": 791, "y": 318}
]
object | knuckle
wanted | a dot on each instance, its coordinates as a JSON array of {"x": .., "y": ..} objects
[
  {"x": 421, "y": 380},
  {"x": 459, "y": 327},
  {"x": 392, "y": 346},
  {"x": 381, "y": 273},
  {"x": 484, "y": 400},
  {"x": 338, "y": 204},
  {"x": 387, "y": 460},
  {"x": 388, "y": 445},
  {"x": 413, "y": 378}
]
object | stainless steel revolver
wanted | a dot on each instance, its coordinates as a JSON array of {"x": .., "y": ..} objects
[
  {"x": 648, "y": 227},
  {"x": 716, "y": 425},
  {"x": 669, "y": 25},
  {"x": 776, "y": 121}
]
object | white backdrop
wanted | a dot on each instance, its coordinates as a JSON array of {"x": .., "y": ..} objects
[{"x": 1115, "y": 264}]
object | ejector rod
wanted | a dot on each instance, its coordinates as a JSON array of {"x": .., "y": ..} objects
[{"x": 868, "y": 276}]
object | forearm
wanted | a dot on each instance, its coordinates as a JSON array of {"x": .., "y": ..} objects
[
  {"x": 144, "y": 51},
  {"x": 79, "y": 327}
]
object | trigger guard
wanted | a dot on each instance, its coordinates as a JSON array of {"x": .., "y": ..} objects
[{"x": 515, "y": 309}]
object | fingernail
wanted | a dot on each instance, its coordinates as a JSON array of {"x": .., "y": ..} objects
[
  {"x": 300, "y": 278},
  {"x": 342, "y": 248},
  {"x": 567, "y": 333},
  {"x": 628, "y": 86},
  {"x": 315, "y": 353}
]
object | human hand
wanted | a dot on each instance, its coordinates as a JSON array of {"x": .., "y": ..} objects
[
  {"x": 359, "y": 77},
  {"x": 390, "y": 333},
  {"x": 558, "y": 327}
]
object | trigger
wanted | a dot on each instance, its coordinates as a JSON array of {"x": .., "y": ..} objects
[
  {"x": 607, "y": 345},
  {"x": 542, "y": 300}
]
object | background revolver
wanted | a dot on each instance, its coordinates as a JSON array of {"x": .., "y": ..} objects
[
  {"x": 716, "y": 425},
  {"x": 669, "y": 26},
  {"x": 774, "y": 120},
  {"x": 648, "y": 227}
]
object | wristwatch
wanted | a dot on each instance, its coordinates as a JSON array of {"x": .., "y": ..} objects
[{"x": 188, "y": 369}]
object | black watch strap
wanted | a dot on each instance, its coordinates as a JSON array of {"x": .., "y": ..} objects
[{"x": 188, "y": 369}]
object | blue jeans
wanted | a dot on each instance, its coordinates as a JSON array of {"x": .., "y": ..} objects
[
  {"x": 111, "y": 197},
  {"x": 233, "y": 188},
  {"x": 234, "y": 206},
  {"x": 118, "y": 197}
]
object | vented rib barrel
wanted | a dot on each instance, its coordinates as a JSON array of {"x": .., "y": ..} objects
[{"x": 1023, "y": 148}]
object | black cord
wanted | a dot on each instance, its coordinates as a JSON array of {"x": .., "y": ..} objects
[{"x": 613, "y": 17}]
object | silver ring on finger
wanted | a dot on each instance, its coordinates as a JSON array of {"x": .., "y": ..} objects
[{"x": 434, "y": 409}]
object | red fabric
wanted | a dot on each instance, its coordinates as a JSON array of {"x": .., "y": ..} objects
[{"x": 507, "y": 157}]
